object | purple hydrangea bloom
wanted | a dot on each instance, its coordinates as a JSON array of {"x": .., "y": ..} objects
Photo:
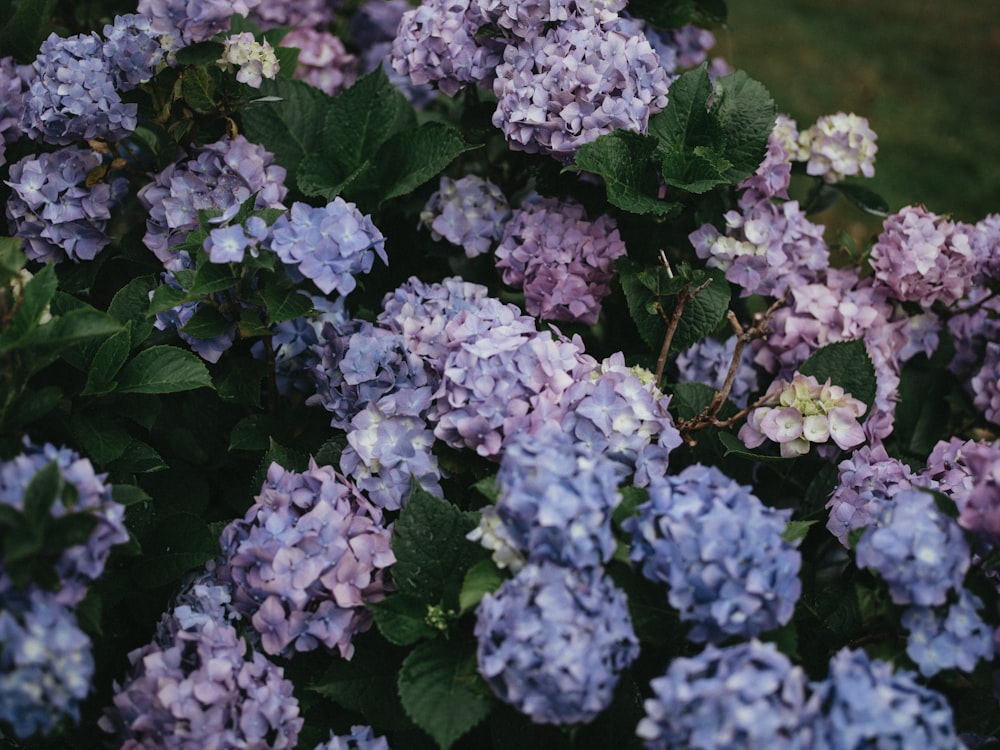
[
  {"x": 552, "y": 641},
  {"x": 133, "y": 50},
  {"x": 360, "y": 738},
  {"x": 985, "y": 384},
  {"x": 923, "y": 257},
  {"x": 323, "y": 60},
  {"x": 46, "y": 665},
  {"x": 53, "y": 208},
  {"x": 923, "y": 334},
  {"x": 955, "y": 638},
  {"x": 864, "y": 704},
  {"x": 744, "y": 696},
  {"x": 376, "y": 21},
  {"x": 692, "y": 43},
  {"x": 305, "y": 559},
  {"x": 528, "y": 19},
  {"x": 193, "y": 20},
  {"x": 437, "y": 43},
  {"x": 985, "y": 244},
  {"x": 774, "y": 175},
  {"x": 562, "y": 260},
  {"x": 869, "y": 480},
  {"x": 73, "y": 96},
  {"x": 720, "y": 551},
  {"x": 708, "y": 362},
  {"x": 578, "y": 81},
  {"x": 767, "y": 248},
  {"x": 300, "y": 14},
  {"x": 948, "y": 470},
  {"x": 979, "y": 510},
  {"x": 555, "y": 502},
  {"x": 470, "y": 212},
  {"x": 973, "y": 330},
  {"x": 84, "y": 562},
  {"x": 327, "y": 245},
  {"x": 917, "y": 550},
  {"x": 619, "y": 412},
  {"x": 193, "y": 687},
  {"x": 838, "y": 146},
  {"x": 14, "y": 82},
  {"x": 220, "y": 176}
]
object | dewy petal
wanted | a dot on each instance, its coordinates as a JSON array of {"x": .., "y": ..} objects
[
  {"x": 816, "y": 428},
  {"x": 782, "y": 425},
  {"x": 844, "y": 428}
]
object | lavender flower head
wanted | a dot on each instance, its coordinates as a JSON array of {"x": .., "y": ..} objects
[
  {"x": 134, "y": 50},
  {"x": 985, "y": 241},
  {"x": 917, "y": 550},
  {"x": 81, "y": 563},
  {"x": 922, "y": 257},
  {"x": 305, "y": 559},
  {"x": 73, "y": 96},
  {"x": 578, "y": 81},
  {"x": 525, "y": 20},
  {"x": 869, "y": 481},
  {"x": 720, "y": 551},
  {"x": 562, "y": 260},
  {"x": 193, "y": 687},
  {"x": 437, "y": 43},
  {"x": 14, "y": 82},
  {"x": 708, "y": 362},
  {"x": 956, "y": 638},
  {"x": 863, "y": 703},
  {"x": 328, "y": 245},
  {"x": 301, "y": 14},
  {"x": 948, "y": 471},
  {"x": 360, "y": 738},
  {"x": 46, "y": 666},
  {"x": 553, "y": 640},
  {"x": 839, "y": 146},
  {"x": 979, "y": 510},
  {"x": 985, "y": 384},
  {"x": 220, "y": 176},
  {"x": 193, "y": 20},
  {"x": 54, "y": 209},
  {"x": 323, "y": 60},
  {"x": 744, "y": 696},
  {"x": 470, "y": 212},
  {"x": 554, "y": 504}
]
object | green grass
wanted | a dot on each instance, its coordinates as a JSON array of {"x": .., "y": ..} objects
[{"x": 925, "y": 74}]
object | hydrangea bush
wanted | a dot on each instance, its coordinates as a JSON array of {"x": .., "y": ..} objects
[{"x": 475, "y": 374}]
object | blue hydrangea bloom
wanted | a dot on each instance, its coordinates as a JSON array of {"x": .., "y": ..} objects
[
  {"x": 360, "y": 738},
  {"x": 956, "y": 638},
  {"x": 14, "y": 82},
  {"x": 556, "y": 499},
  {"x": 708, "y": 362},
  {"x": 82, "y": 563},
  {"x": 744, "y": 696},
  {"x": 470, "y": 212},
  {"x": 864, "y": 704},
  {"x": 553, "y": 640},
  {"x": 916, "y": 549},
  {"x": 328, "y": 245},
  {"x": 193, "y": 20},
  {"x": 720, "y": 551},
  {"x": 45, "y": 662},
  {"x": 133, "y": 50}
]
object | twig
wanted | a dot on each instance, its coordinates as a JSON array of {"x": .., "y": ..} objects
[{"x": 686, "y": 295}]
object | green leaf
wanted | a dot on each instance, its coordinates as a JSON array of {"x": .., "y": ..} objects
[
  {"x": 252, "y": 433},
  {"x": 41, "y": 494},
  {"x": 198, "y": 90},
  {"x": 107, "y": 361},
  {"x": 179, "y": 543},
  {"x": 213, "y": 277},
  {"x": 128, "y": 494},
  {"x": 35, "y": 298},
  {"x": 200, "y": 53},
  {"x": 166, "y": 298},
  {"x": 402, "y": 619},
  {"x": 638, "y": 297},
  {"x": 290, "y": 128},
  {"x": 442, "y": 691},
  {"x": 685, "y": 122},
  {"x": 163, "y": 369},
  {"x": 703, "y": 314},
  {"x": 31, "y": 406},
  {"x": 238, "y": 380},
  {"x": 69, "y": 530},
  {"x": 206, "y": 323},
  {"x": 24, "y": 32},
  {"x": 625, "y": 160},
  {"x": 285, "y": 303},
  {"x": 734, "y": 447},
  {"x": 690, "y": 399},
  {"x": 864, "y": 198},
  {"x": 289, "y": 458},
  {"x": 847, "y": 364},
  {"x": 746, "y": 114},
  {"x": 796, "y": 530},
  {"x": 138, "y": 458},
  {"x": 102, "y": 437},
  {"x": 487, "y": 486},
  {"x": 922, "y": 410},
  {"x": 481, "y": 579},
  {"x": 432, "y": 553}
]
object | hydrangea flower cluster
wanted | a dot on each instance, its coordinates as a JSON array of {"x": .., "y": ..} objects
[
  {"x": 14, "y": 82},
  {"x": 743, "y": 696},
  {"x": 73, "y": 96},
  {"x": 972, "y": 330},
  {"x": 301, "y": 14},
  {"x": 81, "y": 563},
  {"x": 133, "y": 49},
  {"x": 304, "y": 560},
  {"x": 553, "y": 640},
  {"x": 437, "y": 43},
  {"x": 868, "y": 482},
  {"x": 800, "y": 412},
  {"x": 360, "y": 738},
  {"x": 323, "y": 60},
  {"x": 328, "y": 244},
  {"x": 525, "y": 20},
  {"x": 619, "y": 412},
  {"x": 864, "y": 703},
  {"x": 708, "y": 362},
  {"x": 193, "y": 687},
  {"x": 957, "y": 638},
  {"x": 918, "y": 551},
  {"x": 581, "y": 79},
  {"x": 985, "y": 241},
  {"x": 54, "y": 209},
  {"x": 469, "y": 212},
  {"x": 46, "y": 665},
  {"x": 253, "y": 60},
  {"x": 948, "y": 470},
  {"x": 193, "y": 20},
  {"x": 554, "y": 504},
  {"x": 985, "y": 384},
  {"x": 923, "y": 257},
  {"x": 373, "y": 29},
  {"x": 220, "y": 176},
  {"x": 838, "y": 146},
  {"x": 979, "y": 510},
  {"x": 562, "y": 260},
  {"x": 720, "y": 551},
  {"x": 774, "y": 175}
]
